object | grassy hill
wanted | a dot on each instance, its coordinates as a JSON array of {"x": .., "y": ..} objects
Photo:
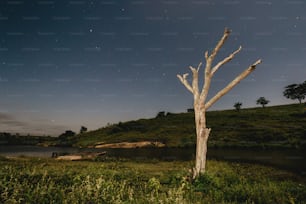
[{"x": 277, "y": 126}]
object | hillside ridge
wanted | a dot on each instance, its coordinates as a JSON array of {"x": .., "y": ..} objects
[{"x": 274, "y": 126}]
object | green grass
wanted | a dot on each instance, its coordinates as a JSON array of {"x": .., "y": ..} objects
[
  {"x": 277, "y": 126},
  {"x": 26, "y": 180}
]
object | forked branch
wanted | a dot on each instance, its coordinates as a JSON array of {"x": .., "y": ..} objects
[
  {"x": 185, "y": 82},
  {"x": 225, "y": 60},
  {"x": 220, "y": 43},
  {"x": 209, "y": 72},
  {"x": 195, "y": 80},
  {"x": 233, "y": 83},
  {"x": 210, "y": 58}
]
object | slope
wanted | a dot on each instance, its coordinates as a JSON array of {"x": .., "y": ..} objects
[{"x": 277, "y": 126}]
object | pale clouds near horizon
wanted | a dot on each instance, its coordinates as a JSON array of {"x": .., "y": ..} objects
[{"x": 11, "y": 124}]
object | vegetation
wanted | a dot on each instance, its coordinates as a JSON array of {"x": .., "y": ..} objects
[
  {"x": 17, "y": 139},
  {"x": 161, "y": 114},
  {"x": 83, "y": 129},
  {"x": 66, "y": 138},
  {"x": 28, "y": 180},
  {"x": 296, "y": 91},
  {"x": 237, "y": 106},
  {"x": 262, "y": 101},
  {"x": 278, "y": 126}
]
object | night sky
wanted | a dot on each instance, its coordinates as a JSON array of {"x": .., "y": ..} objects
[{"x": 64, "y": 64}]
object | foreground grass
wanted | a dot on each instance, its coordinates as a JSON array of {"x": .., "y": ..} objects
[{"x": 27, "y": 180}]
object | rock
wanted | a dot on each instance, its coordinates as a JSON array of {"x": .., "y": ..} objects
[
  {"x": 81, "y": 156},
  {"x": 131, "y": 145}
]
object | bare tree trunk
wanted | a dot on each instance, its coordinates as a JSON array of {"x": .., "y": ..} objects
[
  {"x": 200, "y": 104},
  {"x": 202, "y": 137},
  {"x": 201, "y": 149}
]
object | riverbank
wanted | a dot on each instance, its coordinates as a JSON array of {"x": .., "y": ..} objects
[
  {"x": 46, "y": 180},
  {"x": 291, "y": 159}
]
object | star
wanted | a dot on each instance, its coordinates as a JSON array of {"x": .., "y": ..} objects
[{"x": 152, "y": 43}]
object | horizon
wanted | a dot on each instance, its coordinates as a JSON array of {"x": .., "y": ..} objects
[{"x": 135, "y": 119}]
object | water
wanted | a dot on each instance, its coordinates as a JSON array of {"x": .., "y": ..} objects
[
  {"x": 287, "y": 159},
  {"x": 33, "y": 151}
]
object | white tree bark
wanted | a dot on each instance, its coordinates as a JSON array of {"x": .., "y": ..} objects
[{"x": 200, "y": 104}]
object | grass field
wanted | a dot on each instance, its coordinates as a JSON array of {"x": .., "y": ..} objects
[{"x": 26, "y": 180}]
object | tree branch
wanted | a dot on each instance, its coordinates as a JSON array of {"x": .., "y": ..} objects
[
  {"x": 233, "y": 83},
  {"x": 195, "y": 80},
  {"x": 185, "y": 82},
  {"x": 220, "y": 43},
  {"x": 209, "y": 60},
  {"x": 225, "y": 60},
  {"x": 206, "y": 55}
]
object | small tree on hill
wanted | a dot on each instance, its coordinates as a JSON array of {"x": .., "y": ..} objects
[
  {"x": 200, "y": 97},
  {"x": 161, "y": 114},
  {"x": 295, "y": 91},
  {"x": 83, "y": 129},
  {"x": 237, "y": 106},
  {"x": 262, "y": 101}
]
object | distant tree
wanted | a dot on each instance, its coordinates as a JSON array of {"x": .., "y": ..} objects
[
  {"x": 295, "y": 91},
  {"x": 83, "y": 129},
  {"x": 190, "y": 110},
  {"x": 161, "y": 114},
  {"x": 169, "y": 113},
  {"x": 262, "y": 101},
  {"x": 237, "y": 106},
  {"x": 66, "y": 138},
  {"x": 66, "y": 134},
  {"x": 304, "y": 88}
]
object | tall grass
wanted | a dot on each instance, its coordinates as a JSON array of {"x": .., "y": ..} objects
[{"x": 47, "y": 181}]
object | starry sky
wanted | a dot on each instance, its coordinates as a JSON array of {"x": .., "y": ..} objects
[{"x": 64, "y": 64}]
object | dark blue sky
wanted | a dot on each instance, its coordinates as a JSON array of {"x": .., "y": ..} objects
[{"x": 64, "y": 64}]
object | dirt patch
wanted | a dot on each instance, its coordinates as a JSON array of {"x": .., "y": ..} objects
[{"x": 131, "y": 145}]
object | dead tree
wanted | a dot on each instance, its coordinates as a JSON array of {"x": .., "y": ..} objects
[{"x": 200, "y": 97}]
